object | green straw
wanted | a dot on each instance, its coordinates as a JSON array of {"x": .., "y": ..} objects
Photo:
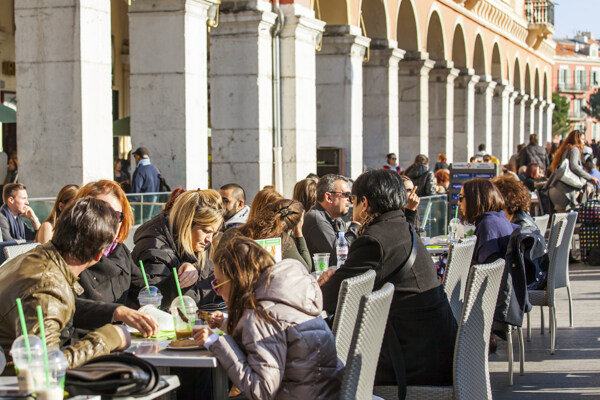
[
  {"x": 455, "y": 213},
  {"x": 24, "y": 327},
  {"x": 44, "y": 348},
  {"x": 144, "y": 275},
  {"x": 179, "y": 291}
]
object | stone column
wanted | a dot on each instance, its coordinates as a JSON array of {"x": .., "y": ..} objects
[
  {"x": 547, "y": 134},
  {"x": 169, "y": 106},
  {"x": 512, "y": 146},
  {"x": 298, "y": 92},
  {"x": 242, "y": 97},
  {"x": 484, "y": 91},
  {"x": 500, "y": 132},
  {"x": 530, "y": 116},
  {"x": 464, "y": 115},
  {"x": 413, "y": 106},
  {"x": 520, "y": 116},
  {"x": 380, "y": 102},
  {"x": 441, "y": 109},
  {"x": 340, "y": 93},
  {"x": 64, "y": 87},
  {"x": 539, "y": 123}
]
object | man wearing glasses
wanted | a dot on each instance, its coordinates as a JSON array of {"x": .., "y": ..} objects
[{"x": 323, "y": 222}]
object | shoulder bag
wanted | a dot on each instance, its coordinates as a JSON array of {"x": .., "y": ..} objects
[{"x": 568, "y": 177}]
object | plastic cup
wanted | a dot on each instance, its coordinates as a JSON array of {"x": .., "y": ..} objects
[
  {"x": 164, "y": 319},
  {"x": 321, "y": 261},
  {"x": 154, "y": 297},
  {"x": 53, "y": 387},
  {"x": 23, "y": 361},
  {"x": 183, "y": 329}
]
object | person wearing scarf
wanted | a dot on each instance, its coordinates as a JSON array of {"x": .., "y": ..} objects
[{"x": 15, "y": 207}]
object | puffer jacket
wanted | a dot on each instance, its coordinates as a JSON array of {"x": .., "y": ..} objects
[
  {"x": 42, "y": 277},
  {"x": 294, "y": 358},
  {"x": 423, "y": 179}
]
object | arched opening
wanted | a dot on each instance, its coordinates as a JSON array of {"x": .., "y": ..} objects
[
  {"x": 334, "y": 12},
  {"x": 546, "y": 93},
  {"x": 528, "y": 80},
  {"x": 435, "y": 38},
  {"x": 374, "y": 15},
  {"x": 479, "y": 57},
  {"x": 496, "y": 63},
  {"x": 407, "y": 32},
  {"x": 459, "y": 48},
  {"x": 517, "y": 75},
  {"x": 537, "y": 84}
]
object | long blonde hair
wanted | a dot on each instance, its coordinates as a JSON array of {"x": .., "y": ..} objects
[{"x": 194, "y": 208}]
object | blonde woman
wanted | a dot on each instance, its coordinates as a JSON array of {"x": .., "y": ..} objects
[
  {"x": 46, "y": 231},
  {"x": 181, "y": 238}
]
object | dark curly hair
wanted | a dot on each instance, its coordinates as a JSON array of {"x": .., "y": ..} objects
[{"x": 516, "y": 196}]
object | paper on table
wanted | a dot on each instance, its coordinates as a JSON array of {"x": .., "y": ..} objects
[{"x": 164, "y": 319}]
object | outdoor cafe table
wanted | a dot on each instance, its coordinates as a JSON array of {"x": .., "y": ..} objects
[
  {"x": 157, "y": 353},
  {"x": 8, "y": 385}
]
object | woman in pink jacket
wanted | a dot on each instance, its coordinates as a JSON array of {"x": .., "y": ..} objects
[{"x": 279, "y": 347}]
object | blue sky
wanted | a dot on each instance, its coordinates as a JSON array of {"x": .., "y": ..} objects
[{"x": 571, "y": 16}]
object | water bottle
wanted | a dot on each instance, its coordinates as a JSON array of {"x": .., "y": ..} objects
[{"x": 341, "y": 249}]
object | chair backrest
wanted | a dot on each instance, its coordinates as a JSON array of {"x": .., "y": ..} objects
[
  {"x": 13, "y": 251},
  {"x": 471, "y": 371},
  {"x": 542, "y": 223},
  {"x": 367, "y": 338},
  {"x": 558, "y": 267},
  {"x": 457, "y": 271},
  {"x": 351, "y": 292},
  {"x": 561, "y": 273}
]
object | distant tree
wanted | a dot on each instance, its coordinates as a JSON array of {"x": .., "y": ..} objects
[
  {"x": 594, "y": 109},
  {"x": 561, "y": 125}
]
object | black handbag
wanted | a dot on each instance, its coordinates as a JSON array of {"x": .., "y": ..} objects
[{"x": 116, "y": 374}]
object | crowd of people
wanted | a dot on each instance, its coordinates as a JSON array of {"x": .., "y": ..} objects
[{"x": 277, "y": 344}]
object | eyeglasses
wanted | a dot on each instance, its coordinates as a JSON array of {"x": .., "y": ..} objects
[
  {"x": 347, "y": 195},
  {"x": 461, "y": 198},
  {"x": 215, "y": 284},
  {"x": 393, "y": 158},
  {"x": 121, "y": 215}
]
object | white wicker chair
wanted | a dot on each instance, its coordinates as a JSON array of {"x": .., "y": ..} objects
[
  {"x": 367, "y": 338},
  {"x": 558, "y": 274},
  {"x": 351, "y": 292},
  {"x": 457, "y": 272},
  {"x": 542, "y": 223},
  {"x": 16, "y": 250},
  {"x": 471, "y": 372}
]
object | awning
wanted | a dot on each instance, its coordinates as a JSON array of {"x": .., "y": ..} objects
[
  {"x": 121, "y": 127},
  {"x": 7, "y": 115}
]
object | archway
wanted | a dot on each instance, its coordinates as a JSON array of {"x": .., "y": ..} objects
[
  {"x": 528, "y": 80},
  {"x": 546, "y": 93},
  {"x": 517, "y": 75},
  {"x": 435, "y": 38},
  {"x": 479, "y": 63},
  {"x": 459, "y": 48},
  {"x": 407, "y": 32},
  {"x": 496, "y": 63},
  {"x": 334, "y": 12},
  {"x": 375, "y": 17},
  {"x": 537, "y": 84}
]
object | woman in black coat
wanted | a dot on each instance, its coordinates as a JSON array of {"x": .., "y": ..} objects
[{"x": 418, "y": 346}]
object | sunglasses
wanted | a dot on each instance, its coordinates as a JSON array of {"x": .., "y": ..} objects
[
  {"x": 461, "y": 198},
  {"x": 393, "y": 158},
  {"x": 347, "y": 195},
  {"x": 215, "y": 284},
  {"x": 121, "y": 215}
]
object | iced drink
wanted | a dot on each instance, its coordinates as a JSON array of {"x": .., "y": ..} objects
[
  {"x": 24, "y": 359},
  {"x": 154, "y": 297},
  {"x": 183, "y": 319},
  {"x": 50, "y": 385}
]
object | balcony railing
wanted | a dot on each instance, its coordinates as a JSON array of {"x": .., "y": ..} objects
[
  {"x": 577, "y": 115},
  {"x": 539, "y": 12},
  {"x": 573, "y": 87}
]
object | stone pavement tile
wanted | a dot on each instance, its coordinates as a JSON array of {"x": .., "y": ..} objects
[{"x": 573, "y": 372}]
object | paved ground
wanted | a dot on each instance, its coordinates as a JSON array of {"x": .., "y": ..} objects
[{"x": 573, "y": 372}]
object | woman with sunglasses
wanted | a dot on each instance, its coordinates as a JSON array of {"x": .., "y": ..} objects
[
  {"x": 114, "y": 280},
  {"x": 392, "y": 163},
  {"x": 282, "y": 218},
  {"x": 278, "y": 346},
  {"x": 563, "y": 196}
]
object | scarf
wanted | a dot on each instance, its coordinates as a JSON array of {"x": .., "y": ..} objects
[{"x": 17, "y": 228}]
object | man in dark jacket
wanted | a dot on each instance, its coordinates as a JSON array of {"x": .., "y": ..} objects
[
  {"x": 533, "y": 153},
  {"x": 145, "y": 177},
  {"x": 14, "y": 208}
]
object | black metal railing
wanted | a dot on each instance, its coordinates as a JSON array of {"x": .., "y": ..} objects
[{"x": 539, "y": 12}]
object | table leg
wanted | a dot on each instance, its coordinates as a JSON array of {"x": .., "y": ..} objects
[
  {"x": 172, "y": 395},
  {"x": 220, "y": 384}
]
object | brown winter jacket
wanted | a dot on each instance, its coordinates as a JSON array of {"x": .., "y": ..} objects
[
  {"x": 295, "y": 358},
  {"x": 42, "y": 277}
]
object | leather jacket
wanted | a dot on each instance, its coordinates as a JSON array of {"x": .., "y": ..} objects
[{"x": 42, "y": 277}]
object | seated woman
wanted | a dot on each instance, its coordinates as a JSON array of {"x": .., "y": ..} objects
[
  {"x": 115, "y": 280},
  {"x": 181, "y": 238},
  {"x": 66, "y": 194},
  {"x": 278, "y": 219},
  {"x": 516, "y": 200},
  {"x": 534, "y": 177},
  {"x": 418, "y": 348},
  {"x": 305, "y": 191},
  {"x": 482, "y": 204},
  {"x": 264, "y": 196},
  {"x": 279, "y": 346}
]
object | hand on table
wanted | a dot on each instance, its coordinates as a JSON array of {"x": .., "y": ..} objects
[
  {"x": 325, "y": 276},
  {"x": 216, "y": 320},
  {"x": 187, "y": 274},
  {"x": 201, "y": 335},
  {"x": 145, "y": 323}
]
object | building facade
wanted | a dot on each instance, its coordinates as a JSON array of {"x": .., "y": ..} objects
[
  {"x": 270, "y": 82},
  {"x": 577, "y": 77}
]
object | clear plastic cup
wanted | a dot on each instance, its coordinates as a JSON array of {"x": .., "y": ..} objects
[
  {"x": 183, "y": 329},
  {"x": 321, "y": 261},
  {"x": 453, "y": 229},
  {"x": 50, "y": 386},
  {"x": 23, "y": 361},
  {"x": 164, "y": 319},
  {"x": 154, "y": 297}
]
